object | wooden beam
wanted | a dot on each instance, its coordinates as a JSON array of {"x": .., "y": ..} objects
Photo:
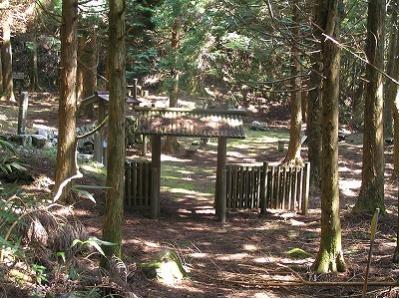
[
  {"x": 156, "y": 171},
  {"x": 220, "y": 186},
  {"x": 22, "y": 113}
]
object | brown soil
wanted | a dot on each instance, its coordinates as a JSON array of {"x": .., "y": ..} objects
[{"x": 247, "y": 256}]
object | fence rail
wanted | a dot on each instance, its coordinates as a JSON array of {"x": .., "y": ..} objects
[
  {"x": 275, "y": 187},
  {"x": 247, "y": 187},
  {"x": 138, "y": 182}
]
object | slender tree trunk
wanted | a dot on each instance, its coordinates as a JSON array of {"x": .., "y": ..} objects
[
  {"x": 112, "y": 231},
  {"x": 6, "y": 58},
  {"x": 357, "y": 106},
  {"x": 391, "y": 67},
  {"x": 314, "y": 108},
  {"x": 330, "y": 256},
  {"x": 34, "y": 73},
  {"x": 294, "y": 148},
  {"x": 65, "y": 167},
  {"x": 304, "y": 106},
  {"x": 171, "y": 144},
  {"x": 372, "y": 186}
]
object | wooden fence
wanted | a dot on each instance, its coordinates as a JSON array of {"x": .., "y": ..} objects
[
  {"x": 138, "y": 180},
  {"x": 275, "y": 187},
  {"x": 247, "y": 187}
]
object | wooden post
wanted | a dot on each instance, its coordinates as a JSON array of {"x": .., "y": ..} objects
[
  {"x": 155, "y": 181},
  {"x": 144, "y": 146},
  {"x": 220, "y": 187},
  {"x": 22, "y": 113},
  {"x": 263, "y": 188},
  {"x": 306, "y": 184},
  {"x": 99, "y": 135},
  {"x": 134, "y": 89}
]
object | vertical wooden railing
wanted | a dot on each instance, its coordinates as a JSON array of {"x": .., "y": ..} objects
[
  {"x": 273, "y": 187},
  {"x": 138, "y": 181}
]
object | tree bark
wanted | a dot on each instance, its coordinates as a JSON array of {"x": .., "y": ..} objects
[
  {"x": 112, "y": 230},
  {"x": 330, "y": 256},
  {"x": 87, "y": 67},
  {"x": 372, "y": 187},
  {"x": 6, "y": 58},
  {"x": 294, "y": 148},
  {"x": 1, "y": 77},
  {"x": 171, "y": 144},
  {"x": 395, "y": 110},
  {"x": 34, "y": 73},
  {"x": 65, "y": 167},
  {"x": 392, "y": 68},
  {"x": 314, "y": 108}
]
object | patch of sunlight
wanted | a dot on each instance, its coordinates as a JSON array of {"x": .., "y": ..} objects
[
  {"x": 184, "y": 191},
  {"x": 232, "y": 257},
  {"x": 260, "y": 137},
  {"x": 250, "y": 247},
  {"x": 172, "y": 159},
  {"x": 198, "y": 255},
  {"x": 350, "y": 187},
  {"x": 95, "y": 169}
]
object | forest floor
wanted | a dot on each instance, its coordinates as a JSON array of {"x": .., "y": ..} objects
[{"x": 248, "y": 256}]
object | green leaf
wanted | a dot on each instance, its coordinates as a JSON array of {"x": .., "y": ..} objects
[
  {"x": 18, "y": 166},
  {"x": 86, "y": 194}
]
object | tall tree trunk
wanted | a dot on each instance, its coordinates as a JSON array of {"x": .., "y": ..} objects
[
  {"x": 112, "y": 231},
  {"x": 372, "y": 186},
  {"x": 65, "y": 167},
  {"x": 294, "y": 148},
  {"x": 314, "y": 108},
  {"x": 357, "y": 106},
  {"x": 87, "y": 67},
  {"x": 171, "y": 144},
  {"x": 1, "y": 76},
  {"x": 6, "y": 57},
  {"x": 395, "y": 110},
  {"x": 391, "y": 66},
  {"x": 330, "y": 256},
  {"x": 34, "y": 74}
]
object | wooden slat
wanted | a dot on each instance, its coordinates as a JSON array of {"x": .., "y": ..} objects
[
  {"x": 284, "y": 187},
  {"x": 272, "y": 192},
  {"x": 146, "y": 184},
  {"x": 234, "y": 186},
  {"x": 140, "y": 184},
  {"x": 134, "y": 183},
  {"x": 300, "y": 194},
  {"x": 251, "y": 187},
  {"x": 128, "y": 186},
  {"x": 228, "y": 185},
  {"x": 306, "y": 186},
  {"x": 290, "y": 192}
]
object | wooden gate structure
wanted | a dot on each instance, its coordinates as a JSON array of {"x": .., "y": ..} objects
[
  {"x": 158, "y": 122},
  {"x": 236, "y": 186}
]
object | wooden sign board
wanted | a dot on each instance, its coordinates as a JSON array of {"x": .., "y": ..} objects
[{"x": 18, "y": 76}]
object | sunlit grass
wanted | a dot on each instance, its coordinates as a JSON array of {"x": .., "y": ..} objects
[{"x": 94, "y": 169}]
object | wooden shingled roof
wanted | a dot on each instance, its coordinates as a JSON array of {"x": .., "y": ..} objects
[{"x": 190, "y": 123}]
